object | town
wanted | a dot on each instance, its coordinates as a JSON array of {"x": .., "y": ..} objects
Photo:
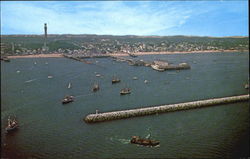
[{"x": 107, "y": 44}]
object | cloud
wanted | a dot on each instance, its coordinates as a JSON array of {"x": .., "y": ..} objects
[
  {"x": 111, "y": 17},
  {"x": 115, "y": 17}
]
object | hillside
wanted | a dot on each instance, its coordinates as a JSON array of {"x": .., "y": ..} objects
[{"x": 102, "y": 44}]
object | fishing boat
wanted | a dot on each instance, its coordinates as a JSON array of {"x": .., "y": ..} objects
[
  {"x": 125, "y": 91},
  {"x": 67, "y": 99},
  {"x": 69, "y": 86},
  {"x": 144, "y": 142},
  {"x": 95, "y": 88},
  {"x": 115, "y": 80},
  {"x": 12, "y": 125}
]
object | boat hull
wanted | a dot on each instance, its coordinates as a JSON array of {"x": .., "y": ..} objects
[
  {"x": 11, "y": 129},
  {"x": 117, "y": 81},
  {"x": 145, "y": 142},
  {"x": 124, "y": 93},
  {"x": 66, "y": 102}
]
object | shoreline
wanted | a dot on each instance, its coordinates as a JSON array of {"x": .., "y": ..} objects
[
  {"x": 57, "y": 55},
  {"x": 36, "y": 56},
  {"x": 177, "y": 52}
]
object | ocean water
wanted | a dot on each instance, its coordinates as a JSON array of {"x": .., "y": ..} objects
[{"x": 49, "y": 129}]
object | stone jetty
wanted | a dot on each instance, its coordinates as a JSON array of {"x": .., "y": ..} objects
[{"x": 100, "y": 117}]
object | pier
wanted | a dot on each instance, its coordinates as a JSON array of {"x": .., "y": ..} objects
[
  {"x": 101, "y": 117},
  {"x": 82, "y": 58}
]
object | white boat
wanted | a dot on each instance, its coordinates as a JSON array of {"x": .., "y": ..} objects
[
  {"x": 50, "y": 77},
  {"x": 135, "y": 78},
  {"x": 69, "y": 86},
  {"x": 156, "y": 67}
]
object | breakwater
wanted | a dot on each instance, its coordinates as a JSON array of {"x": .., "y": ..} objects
[
  {"x": 76, "y": 58},
  {"x": 100, "y": 117}
]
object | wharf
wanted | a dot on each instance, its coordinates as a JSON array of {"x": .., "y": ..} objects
[
  {"x": 101, "y": 117},
  {"x": 82, "y": 56}
]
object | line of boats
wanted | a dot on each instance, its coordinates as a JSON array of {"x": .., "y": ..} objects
[
  {"x": 68, "y": 99},
  {"x": 13, "y": 126}
]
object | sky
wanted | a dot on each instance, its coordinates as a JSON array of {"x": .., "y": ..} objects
[{"x": 163, "y": 18}]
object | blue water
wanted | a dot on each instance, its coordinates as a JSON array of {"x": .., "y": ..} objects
[{"x": 49, "y": 129}]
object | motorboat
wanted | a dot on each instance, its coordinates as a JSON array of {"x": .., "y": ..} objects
[
  {"x": 67, "y": 99},
  {"x": 144, "y": 142},
  {"x": 125, "y": 91}
]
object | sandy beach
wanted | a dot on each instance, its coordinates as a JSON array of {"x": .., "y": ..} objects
[
  {"x": 125, "y": 54},
  {"x": 36, "y": 56}
]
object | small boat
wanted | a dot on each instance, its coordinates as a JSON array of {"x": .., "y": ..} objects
[
  {"x": 125, "y": 91},
  {"x": 144, "y": 142},
  {"x": 69, "y": 86},
  {"x": 98, "y": 75},
  {"x": 135, "y": 78},
  {"x": 67, "y": 99},
  {"x": 95, "y": 88},
  {"x": 50, "y": 77},
  {"x": 156, "y": 67},
  {"x": 12, "y": 125},
  {"x": 146, "y": 81},
  {"x": 246, "y": 86},
  {"x": 115, "y": 80}
]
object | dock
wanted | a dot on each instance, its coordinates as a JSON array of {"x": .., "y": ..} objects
[
  {"x": 82, "y": 58},
  {"x": 123, "y": 114}
]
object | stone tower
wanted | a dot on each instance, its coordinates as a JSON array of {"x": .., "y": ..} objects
[{"x": 45, "y": 48}]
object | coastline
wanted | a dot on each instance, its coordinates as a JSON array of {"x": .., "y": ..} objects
[
  {"x": 177, "y": 52},
  {"x": 35, "y": 56},
  {"x": 57, "y": 55}
]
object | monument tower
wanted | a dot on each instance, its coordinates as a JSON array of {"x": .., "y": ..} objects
[{"x": 45, "y": 48}]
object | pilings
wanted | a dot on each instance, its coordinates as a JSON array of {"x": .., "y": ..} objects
[{"x": 100, "y": 117}]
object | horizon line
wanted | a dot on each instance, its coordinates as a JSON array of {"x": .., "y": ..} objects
[{"x": 234, "y": 36}]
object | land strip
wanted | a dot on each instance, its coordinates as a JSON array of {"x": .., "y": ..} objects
[{"x": 125, "y": 54}]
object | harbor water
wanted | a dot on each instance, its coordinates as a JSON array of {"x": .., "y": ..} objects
[{"x": 49, "y": 129}]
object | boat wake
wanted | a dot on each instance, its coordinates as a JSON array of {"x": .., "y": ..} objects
[
  {"x": 122, "y": 141},
  {"x": 30, "y": 80},
  {"x": 84, "y": 95}
]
